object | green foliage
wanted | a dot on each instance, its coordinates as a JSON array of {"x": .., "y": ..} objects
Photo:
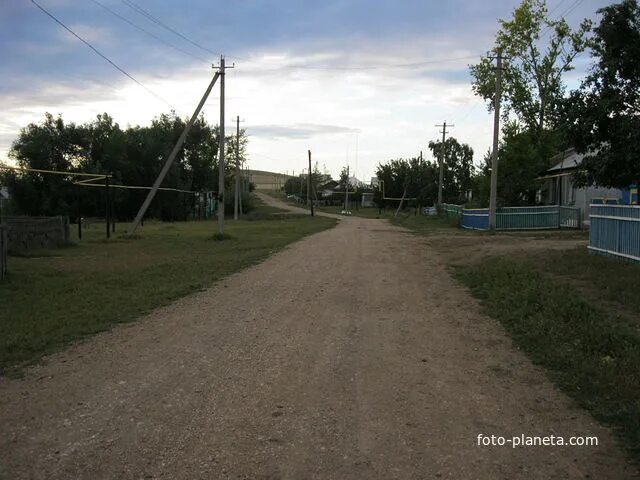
[
  {"x": 534, "y": 64},
  {"x": 458, "y": 169},
  {"x": 134, "y": 156},
  {"x": 604, "y": 113},
  {"x": 420, "y": 177},
  {"x": 538, "y": 51},
  {"x": 521, "y": 159},
  {"x": 589, "y": 353}
]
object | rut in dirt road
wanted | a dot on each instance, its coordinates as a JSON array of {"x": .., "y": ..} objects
[{"x": 349, "y": 355}]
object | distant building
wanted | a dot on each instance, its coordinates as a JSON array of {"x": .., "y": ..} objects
[{"x": 264, "y": 180}]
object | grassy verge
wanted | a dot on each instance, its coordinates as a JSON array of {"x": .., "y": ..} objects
[
  {"x": 427, "y": 225},
  {"x": 590, "y": 352},
  {"x": 575, "y": 314},
  {"x": 54, "y": 297}
]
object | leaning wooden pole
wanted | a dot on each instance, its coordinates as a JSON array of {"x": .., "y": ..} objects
[{"x": 172, "y": 156}]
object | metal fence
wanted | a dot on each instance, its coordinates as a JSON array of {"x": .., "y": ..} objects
[
  {"x": 615, "y": 230},
  {"x": 475, "y": 218},
  {"x": 451, "y": 211},
  {"x": 523, "y": 218}
]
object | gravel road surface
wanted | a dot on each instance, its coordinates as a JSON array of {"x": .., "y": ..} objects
[{"x": 351, "y": 354}]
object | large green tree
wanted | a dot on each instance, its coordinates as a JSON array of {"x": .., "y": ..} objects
[
  {"x": 134, "y": 156},
  {"x": 604, "y": 113},
  {"x": 458, "y": 169},
  {"x": 537, "y": 51}
]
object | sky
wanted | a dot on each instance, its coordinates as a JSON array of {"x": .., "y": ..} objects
[{"x": 357, "y": 82}]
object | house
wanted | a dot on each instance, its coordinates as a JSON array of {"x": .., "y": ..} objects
[
  {"x": 558, "y": 186},
  {"x": 327, "y": 189}
]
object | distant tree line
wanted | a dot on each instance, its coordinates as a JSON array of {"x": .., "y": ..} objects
[
  {"x": 134, "y": 156},
  {"x": 418, "y": 179}
]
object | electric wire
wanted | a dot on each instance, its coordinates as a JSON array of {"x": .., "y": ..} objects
[
  {"x": 147, "y": 32},
  {"x": 137, "y": 8},
  {"x": 121, "y": 70}
]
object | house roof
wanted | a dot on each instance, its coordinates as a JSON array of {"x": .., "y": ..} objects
[{"x": 567, "y": 160}]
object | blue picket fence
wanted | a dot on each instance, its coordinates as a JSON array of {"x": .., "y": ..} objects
[
  {"x": 523, "y": 218},
  {"x": 615, "y": 230}
]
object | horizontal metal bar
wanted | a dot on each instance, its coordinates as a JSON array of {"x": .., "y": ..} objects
[
  {"x": 538, "y": 206},
  {"x": 630, "y": 219},
  {"x": 611, "y": 252},
  {"x": 55, "y": 172},
  {"x": 132, "y": 187},
  {"x": 528, "y": 213},
  {"x": 612, "y": 205}
]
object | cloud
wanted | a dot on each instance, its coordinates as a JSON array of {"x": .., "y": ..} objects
[{"x": 299, "y": 131}]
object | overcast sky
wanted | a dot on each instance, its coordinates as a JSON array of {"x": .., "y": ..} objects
[{"x": 355, "y": 81}]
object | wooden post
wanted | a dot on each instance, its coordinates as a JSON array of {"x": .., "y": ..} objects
[
  {"x": 108, "y": 202},
  {"x": 79, "y": 215},
  {"x": 3, "y": 251},
  {"x": 309, "y": 184}
]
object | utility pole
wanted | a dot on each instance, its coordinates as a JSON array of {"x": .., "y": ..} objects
[
  {"x": 108, "y": 202},
  {"x": 171, "y": 158},
  {"x": 346, "y": 191},
  {"x": 220, "y": 229},
  {"x": 237, "y": 198},
  {"x": 309, "y": 184},
  {"x": 442, "y": 159},
  {"x": 496, "y": 133}
]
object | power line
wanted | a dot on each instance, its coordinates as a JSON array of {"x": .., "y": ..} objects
[
  {"x": 160, "y": 23},
  {"x": 374, "y": 67},
  {"x": 152, "y": 35},
  {"x": 101, "y": 54}
]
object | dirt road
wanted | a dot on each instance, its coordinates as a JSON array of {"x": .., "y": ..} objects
[{"x": 350, "y": 355}]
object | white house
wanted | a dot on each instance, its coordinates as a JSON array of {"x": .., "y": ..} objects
[{"x": 558, "y": 187}]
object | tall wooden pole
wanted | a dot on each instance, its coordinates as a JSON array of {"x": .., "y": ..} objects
[
  {"x": 236, "y": 196},
  {"x": 309, "y": 184},
  {"x": 496, "y": 133},
  {"x": 442, "y": 160},
  {"x": 108, "y": 202},
  {"x": 221, "y": 153}
]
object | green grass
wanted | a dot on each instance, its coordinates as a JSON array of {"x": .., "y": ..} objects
[
  {"x": 598, "y": 277},
  {"x": 590, "y": 352},
  {"x": 427, "y": 225},
  {"x": 54, "y": 297}
]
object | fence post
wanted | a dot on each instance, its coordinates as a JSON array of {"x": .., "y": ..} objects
[{"x": 3, "y": 251}]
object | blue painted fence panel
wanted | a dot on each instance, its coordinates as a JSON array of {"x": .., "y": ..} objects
[
  {"x": 475, "y": 219},
  {"x": 615, "y": 230}
]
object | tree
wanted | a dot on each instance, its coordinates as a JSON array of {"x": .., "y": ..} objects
[
  {"x": 133, "y": 156},
  {"x": 418, "y": 177},
  {"x": 532, "y": 72},
  {"x": 604, "y": 113},
  {"x": 458, "y": 169}
]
